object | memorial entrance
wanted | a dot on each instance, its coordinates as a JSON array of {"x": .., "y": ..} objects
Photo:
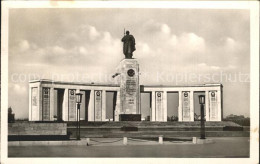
[{"x": 172, "y": 106}]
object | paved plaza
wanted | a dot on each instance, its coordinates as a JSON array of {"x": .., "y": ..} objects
[{"x": 225, "y": 147}]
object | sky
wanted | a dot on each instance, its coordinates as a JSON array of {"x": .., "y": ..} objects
[{"x": 173, "y": 47}]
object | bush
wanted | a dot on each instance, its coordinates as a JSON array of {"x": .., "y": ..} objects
[
  {"x": 240, "y": 120},
  {"x": 172, "y": 118},
  {"x": 22, "y": 120}
]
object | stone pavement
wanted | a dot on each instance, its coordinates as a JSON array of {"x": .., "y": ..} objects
[{"x": 224, "y": 147}]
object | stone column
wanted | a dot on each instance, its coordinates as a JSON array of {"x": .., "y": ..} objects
[
  {"x": 65, "y": 107},
  {"x": 98, "y": 105},
  {"x": 180, "y": 107},
  {"x": 219, "y": 105},
  {"x": 40, "y": 102},
  {"x": 207, "y": 105},
  {"x": 46, "y": 104},
  {"x": 30, "y": 103},
  {"x": 159, "y": 111},
  {"x": 51, "y": 103},
  {"x": 153, "y": 107},
  {"x": 191, "y": 106},
  {"x": 34, "y": 103},
  {"x": 91, "y": 106},
  {"x": 72, "y": 112},
  {"x": 213, "y": 105},
  {"x": 77, "y": 91},
  {"x": 186, "y": 106},
  {"x": 117, "y": 110},
  {"x": 165, "y": 106},
  {"x": 103, "y": 105}
]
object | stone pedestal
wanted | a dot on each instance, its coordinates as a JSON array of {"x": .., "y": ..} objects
[
  {"x": 129, "y": 86},
  {"x": 130, "y": 117}
]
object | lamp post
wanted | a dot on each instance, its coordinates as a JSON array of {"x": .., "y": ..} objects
[
  {"x": 78, "y": 100},
  {"x": 202, "y": 122}
]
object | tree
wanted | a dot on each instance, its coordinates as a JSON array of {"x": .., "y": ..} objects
[
  {"x": 10, "y": 115},
  {"x": 10, "y": 111},
  {"x": 239, "y": 119}
]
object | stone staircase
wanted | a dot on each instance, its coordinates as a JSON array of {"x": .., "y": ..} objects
[
  {"x": 155, "y": 129},
  {"x": 151, "y": 124}
]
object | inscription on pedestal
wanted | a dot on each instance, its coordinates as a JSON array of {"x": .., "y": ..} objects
[
  {"x": 46, "y": 104},
  {"x": 130, "y": 87},
  {"x": 72, "y": 105},
  {"x": 186, "y": 106},
  {"x": 130, "y": 90},
  {"x": 98, "y": 105}
]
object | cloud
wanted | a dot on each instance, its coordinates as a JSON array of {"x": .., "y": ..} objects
[
  {"x": 230, "y": 44},
  {"x": 93, "y": 33},
  {"x": 165, "y": 29},
  {"x": 164, "y": 38},
  {"x": 24, "y": 45},
  {"x": 58, "y": 50},
  {"x": 202, "y": 64},
  {"x": 18, "y": 88},
  {"x": 191, "y": 42},
  {"x": 143, "y": 47},
  {"x": 173, "y": 40},
  {"x": 82, "y": 50},
  {"x": 231, "y": 66},
  {"x": 169, "y": 47},
  {"x": 209, "y": 67},
  {"x": 106, "y": 37},
  {"x": 88, "y": 31},
  {"x": 215, "y": 67},
  {"x": 230, "y": 41}
]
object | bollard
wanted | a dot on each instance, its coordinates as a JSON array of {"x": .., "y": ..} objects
[
  {"x": 88, "y": 141},
  {"x": 160, "y": 139},
  {"x": 194, "y": 140},
  {"x": 125, "y": 140}
]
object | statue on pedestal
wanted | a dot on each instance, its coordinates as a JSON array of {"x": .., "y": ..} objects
[{"x": 129, "y": 45}]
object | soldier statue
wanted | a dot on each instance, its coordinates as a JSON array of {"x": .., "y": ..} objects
[{"x": 129, "y": 45}]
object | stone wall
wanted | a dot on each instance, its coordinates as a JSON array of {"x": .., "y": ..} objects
[{"x": 31, "y": 128}]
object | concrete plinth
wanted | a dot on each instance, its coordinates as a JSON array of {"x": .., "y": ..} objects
[
  {"x": 194, "y": 140},
  {"x": 204, "y": 141},
  {"x": 130, "y": 117},
  {"x": 160, "y": 139},
  {"x": 125, "y": 140}
]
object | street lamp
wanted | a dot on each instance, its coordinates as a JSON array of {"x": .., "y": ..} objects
[
  {"x": 78, "y": 100},
  {"x": 202, "y": 122}
]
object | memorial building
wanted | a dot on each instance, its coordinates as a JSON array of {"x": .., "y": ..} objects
[{"x": 56, "y": 101}]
